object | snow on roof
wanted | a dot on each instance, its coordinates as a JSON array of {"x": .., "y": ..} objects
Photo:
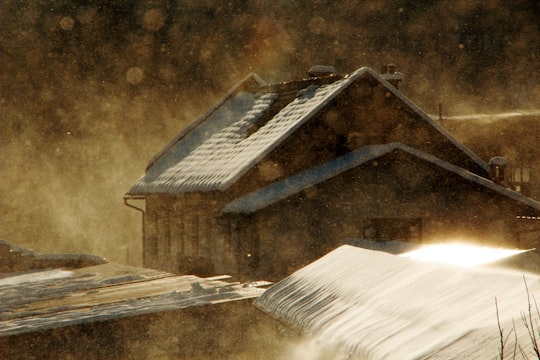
[
  {"x": 211, "y": 121},
  {"x": 205, "y": 162},
  {"x": 216, "y": 151},
  {"x": 41, "y": 300},
  {"x": 374, "y": 305},
  {"x": 280, "y": 190},
  {"x": 228, "y": 153},
  {"x": 15, "y": 258}
]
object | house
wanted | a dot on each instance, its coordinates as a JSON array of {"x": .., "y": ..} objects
[
  {"x": 14, "y": 258},
  {"x": 276, "y": 175},
  {"x": 356, "y": 303},
  {"x": 112, "y": 311},
  {"x": 514, "y": 135}
]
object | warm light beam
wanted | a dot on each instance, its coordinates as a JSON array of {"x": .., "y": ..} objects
[{"x": 460, "y": 254}]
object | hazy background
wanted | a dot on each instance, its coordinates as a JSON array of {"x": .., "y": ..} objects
[{"x": 91, "y": 90}]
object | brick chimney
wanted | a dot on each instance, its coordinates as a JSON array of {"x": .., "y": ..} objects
[{"x": 390, "y": 74}]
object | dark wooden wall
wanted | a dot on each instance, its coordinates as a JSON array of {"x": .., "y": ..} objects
[
  {"x": 223, "y": 331},
  {"x": 435, "y": 206}
]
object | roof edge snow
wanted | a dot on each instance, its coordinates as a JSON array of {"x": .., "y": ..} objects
[{"x": 285, "y": 188}]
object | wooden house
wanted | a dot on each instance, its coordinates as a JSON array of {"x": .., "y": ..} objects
[
  {"x": 276, "y": 175},
  {"x": 513, "y": 135}
]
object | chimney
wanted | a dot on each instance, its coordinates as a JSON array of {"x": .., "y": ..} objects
[
  {"x": 390, "y": 74},
  {"x": 321, "y": 71},
  {"x": 497, "y": 166}
]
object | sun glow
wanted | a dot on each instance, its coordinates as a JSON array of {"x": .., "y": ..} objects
[{"x": 460, "y": 254}]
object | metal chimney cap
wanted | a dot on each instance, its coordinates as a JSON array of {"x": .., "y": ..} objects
[
  {"x": 321, "y": 70},
  {"x": 497, "y": 161}
]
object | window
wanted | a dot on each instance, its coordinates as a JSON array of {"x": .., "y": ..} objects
[{"x": 520, "y": 179}]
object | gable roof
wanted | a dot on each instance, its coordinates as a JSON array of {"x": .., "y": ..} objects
[
  {"x": 280, "y": 190},
  {"x": 374, "y": 305},
  {"x": 216, "y": 151}
]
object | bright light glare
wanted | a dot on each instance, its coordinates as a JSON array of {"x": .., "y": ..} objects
[{"x": 460, "y": 254}]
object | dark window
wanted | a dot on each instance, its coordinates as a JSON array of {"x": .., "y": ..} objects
[{"x": 520, "y": 179}]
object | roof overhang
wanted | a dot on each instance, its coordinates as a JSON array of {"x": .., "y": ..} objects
[{"x": 285, "y": 188}]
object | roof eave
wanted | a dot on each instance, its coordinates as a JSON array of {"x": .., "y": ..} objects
[{"x": 242, "y": 206}]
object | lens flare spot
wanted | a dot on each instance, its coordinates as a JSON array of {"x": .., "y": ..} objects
[{"x": 463, "y": 255}]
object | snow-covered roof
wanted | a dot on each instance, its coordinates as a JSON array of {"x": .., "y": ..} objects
[
  {"x": 218, "y": 150},
  {"x": 228, "y": 153},
  {"x": 224, "y": 111},
  {"x": 217, "y": 161},
  {"x": 39, "y": 300},
  {"x": 372, "y": 305},
  {"x": 282, "y": 189}
]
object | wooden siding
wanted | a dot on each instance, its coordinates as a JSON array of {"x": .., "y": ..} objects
[{"x": 185, "y": 234}]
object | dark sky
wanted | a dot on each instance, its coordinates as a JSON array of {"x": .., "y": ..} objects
[{"x": 92, "y": 89}]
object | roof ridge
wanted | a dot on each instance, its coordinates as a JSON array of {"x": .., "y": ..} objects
[{"x": 429, "y": 120}]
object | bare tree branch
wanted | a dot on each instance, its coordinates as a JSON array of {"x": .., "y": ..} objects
[{"x": 529, "y": 323}]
